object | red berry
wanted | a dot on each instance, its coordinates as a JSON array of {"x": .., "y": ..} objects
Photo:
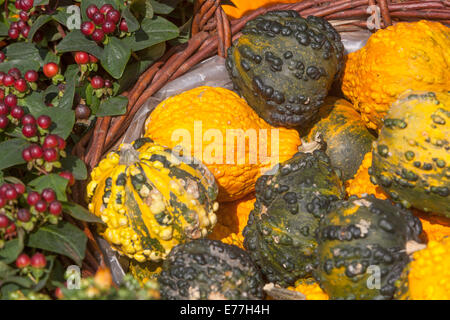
[
  {"x": 50, "y": 141},
  {"x": 5, "y": 187},
  {"x": 69, "y": 176},
  {"x": 48, "y": 195},
  {"x": 41, "y": 206},
  {"x": 23, "y": 215},
  {"x": 11, "y": 194},
  {"x": 106, "y": 8},
  {"x": 2, "y": 204},
  {"x": 113, "y": 16},
  {"x": 87, "y": 28},
  {"x": 38, "y": 36},
  {"x": 50, "y": 155},
  {"x": 93, "y": 59},
  {"x": 38, "y": 260},
  {"x": 31, "y": 76},
  {"x": 61, "y": 143},
  {"x": 15, "y": 73},
  {"x": 58, "y": 293},
  {"x": 51, "y": 69},
  {"x": 2, "y": 74},
  {"x": 2, "y": 94},
  {"x": 33, "y": 198},
  {"x": 98, "y": 35},
  {"x": 81, "y": 57},
  {"x": 4, "y": 109},
  {"x": 21, "y": 24},
  {"x": 91, "y": 10},
  {"x": 23, "y": 261},
  {"x": 23, "y": 15},
  {"x": 55, "y": 208},
  {"x": 97, "y": 82},
  {"x": 29, "y": 130},
  {"x": 108, "y": 27},
  {"x": 28, "y": 119},
  {"x": 21, "y": 85},
  {"x": 20, "y": 188},
  {"x": 44, "y": 121},
  {"x": 14, "y": 25},
  {"x": 25, "y": 31},
  {"x": 4, "y": 221},
  {"x": 13, "y": 33},
  {"x": 108, "y": 83},
  {"x": 11, "y": 100},
  {"x": 36, "y": 151},
  {"x": 27, "y": 5},
  {"x": 8, "y": 80},
  {"x": 18, "y": 4},
  {"x": 2, "y": 56},
  {"x": 82, "y": 112},
  {"x": 17, "y": 112},
  {"x": 11, "y": 229},
  {"x": 98, "y": 18},
  {"x": 4, "y": 121},
  {"x": 26, "y": 155},
  {"x": 123, "y": 26}
]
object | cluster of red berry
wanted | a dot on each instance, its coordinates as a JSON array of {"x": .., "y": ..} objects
[
  {"x": 103, "y": 21},
  {"x": 21, "y": 27},
  {"x": 37, "y": 261},
  {"x": 14, "y": 79},
  {"x": 42, "y": 207}
]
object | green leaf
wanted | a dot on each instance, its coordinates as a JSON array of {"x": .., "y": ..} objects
[
  {"x": 24, "y": 51},
  {"x": 131, "y": 20},
  {"x": 21, "y": 281},
  {"x": 41, "y": 2},
  {"x": 51, "y": 57},
  {"x": 74, "y": 165},
  {"x": 115, "y": 57},
  {"x": 6, "y": 271},
  {"x": 164, "y": 6},
  {"x": 80, "y": 213},
  {"x": 76, "y": 41},
  {"x": 54, "y": 181},
  {"x": 11, "y": 151},
  {"x": 3, "y": 29},
  {"x": 142, "y": 9},
  {"x": 22, "y": 65},
  {"x": 114, "y": 106},
  {"x": 12, "y": 249},
  {"x": 38, "y": 23},
  {"x": 71, "y": 76},
  {"x": 152, "y": 31},
  {"x": 61, "y": 15},
  {"x": 64, "y": 238}
]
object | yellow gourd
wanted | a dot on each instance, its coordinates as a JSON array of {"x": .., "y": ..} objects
[
  {"x": 205, "y": 121},
  {"x": 243, "y": 6},
  {"x": 407, "y": 55}
]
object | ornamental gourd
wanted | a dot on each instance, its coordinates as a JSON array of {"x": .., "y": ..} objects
[
  {"x": 210, "y": 270},
  {"x": 242, "y": 7},
  {"x": 218, "y": 127},
  {"x": 150, "y": 200},
  {"x": 407, "y": 55},
  {"x": 232, "y": 218},
  {"x": 284, "y": 65},
  {"x": 347, "y": 138},
  {"x": 411, "y": 158},
  {"x": 359, "y": 235},
  {"x": 280, "y": 234}
]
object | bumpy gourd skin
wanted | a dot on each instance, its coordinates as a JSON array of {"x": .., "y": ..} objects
[
  {"x": 221, "y": 110},
  {"x": 347, "y": 138},
  {"x": 427, "y": 277},
  {"x": 150, "y": 200},
  {"x": 280, "y": 234},
  {"x": 284, "y": 65},
  {"x": 407, "y": 55},
  {"x": 411, "y": 158},
  {"x": 232, "y": 218},
  {"x": 210, "y": 270},
  {"x": 360, "y": 233}
]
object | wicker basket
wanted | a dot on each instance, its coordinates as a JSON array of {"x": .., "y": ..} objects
[{"x": 213, "y": 33}]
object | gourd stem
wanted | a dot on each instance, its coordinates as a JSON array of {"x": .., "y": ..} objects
[
  {"x": 316, "y": 144},
  {"x": 128, "y": 155},
  {"x": 413, "y": 246},
  {"x": 279, "y": 293}
]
